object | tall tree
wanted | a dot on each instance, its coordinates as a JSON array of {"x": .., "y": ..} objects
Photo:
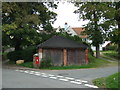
[
  {"x": 100, "y": 17},
  {"x": 115, "y": 34},
  {"x": 20, "y": 22}
]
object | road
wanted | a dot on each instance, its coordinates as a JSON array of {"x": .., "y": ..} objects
[{"x": 80, "y": 78}]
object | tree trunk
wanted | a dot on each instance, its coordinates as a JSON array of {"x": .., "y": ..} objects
[
  {"x": 118, "y": 37},
  {"x": 97, "y": 51},
  {"x": 17, "y": 47}
]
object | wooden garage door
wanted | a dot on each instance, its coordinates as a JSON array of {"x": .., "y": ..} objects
[
  {"x": 75, "y": 56},
  {"x": 56, "y": 55}
]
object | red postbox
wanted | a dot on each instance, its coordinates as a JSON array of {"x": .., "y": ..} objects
[{"x": 36, "y": 60}]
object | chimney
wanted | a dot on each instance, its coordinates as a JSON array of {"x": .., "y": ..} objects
[{"x": 66, "y": 26}]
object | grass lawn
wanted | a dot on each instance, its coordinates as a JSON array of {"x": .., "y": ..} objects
[
  {"x": 93, "y": 63},
  {"x": 111, "y": 81},
  {"x": 112, "y": 54}
]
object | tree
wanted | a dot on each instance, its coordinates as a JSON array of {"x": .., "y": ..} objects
[
  {"x": 20, "y": 22},
  {"x": 100, "y": 16},
  {"x": 115, "y": 34}
]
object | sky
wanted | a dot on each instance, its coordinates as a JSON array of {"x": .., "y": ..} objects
[{"x": 65, "y": 14}]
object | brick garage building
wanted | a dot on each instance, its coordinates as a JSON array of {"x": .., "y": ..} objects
[{"x": 63, "y": 51}]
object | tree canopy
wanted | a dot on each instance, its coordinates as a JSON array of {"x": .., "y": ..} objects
[
  {"x": 20, "y": 21},
  {"x": 101, "y": 19}
]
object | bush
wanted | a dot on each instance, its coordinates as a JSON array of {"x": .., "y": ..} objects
[
  {"x": 26, "y": 54},
  {"x": 46, "y": 62},
  {"x": 4, "y": 56},
  {"x": 114, "y": 47},
  {"x": 14, "y": 55}
]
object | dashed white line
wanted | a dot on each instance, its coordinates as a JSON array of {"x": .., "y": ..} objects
[
  {"x": 37, "y": 74},
  {"x": 26, "y": 71},
  {"x": 16, "y": 70},
  {"x": 82, "y": 81},
  {"x": 59, "y": 76},
  {"x": 75, "y": 82},
  {"x": 31, "y": 73},
  {"x": 91, "y": 86},
  {"x": 69, "y": 78},
  {"x": 64, "y": 79},
  {"x": 21, "y": 70},
  {"x": 44, "y": 75},
  {"x": 53, "y": 77}
]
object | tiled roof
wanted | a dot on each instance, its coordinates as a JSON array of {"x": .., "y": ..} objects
[{"x": 78, "y": 31}]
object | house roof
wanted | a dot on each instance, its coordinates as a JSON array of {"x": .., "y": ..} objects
[
  {"x": 61, "y": 42},
  {"x": 78, "y": 31}
]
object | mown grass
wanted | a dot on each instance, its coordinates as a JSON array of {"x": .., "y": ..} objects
[
  {"x": 111, "y": 81},
  {"x": 112, "y": 54},
  {"x": 27, "y": 64},
  {"x": 93, "y": 63}
]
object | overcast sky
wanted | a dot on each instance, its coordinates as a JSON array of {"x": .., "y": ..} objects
[{"x": 65, "y": 14}]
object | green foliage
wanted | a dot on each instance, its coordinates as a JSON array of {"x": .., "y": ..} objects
[
  {"x": 101, "y": 19},
  {"x": 4, "y": 56},
  {"x": 112, "y": 54},
  {"x": 27, "y": 64},
  {"x": 25, "y": 54},
  {"x": 14, "y": 55},
  {"x": 20, "y": 20},
  {"x": 112, "y": 47},
  {"x": 100, "y": 82},
  {"x": 111, "y": 81},
  {"x": 46, "y": 62},
  {"x": 93, "y": 63}
]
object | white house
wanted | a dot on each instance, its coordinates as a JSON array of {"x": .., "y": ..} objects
[{"x": 77, "y": 31}]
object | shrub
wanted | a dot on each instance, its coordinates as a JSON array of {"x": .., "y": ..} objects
[
  {"x": 25, "y": 54},
  {"x": 112, "y": 47},
  {"x": 14, "y": 55},
  {"x": 46, "y": 62}
]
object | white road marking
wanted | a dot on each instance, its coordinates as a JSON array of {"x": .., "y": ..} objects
[
  {"x": 53, "y": 77},
  {"x": 26, "y": 71},
  {"x": 82, "y": 81},
  {"x": 59, "y": 76},
  {"x": 91, "y": 86},
  {"x": 44, "y": 75},
  {"x": 75, "y": 82},
  {"x": 16, "y": 70},
  {"x": 37, "y": 74},
  {"x": 69, "y": 78},
  {"x": 32, "y": 71},
  {"x": 21, "y": 70},
  {"x": 63, "y": 79}
]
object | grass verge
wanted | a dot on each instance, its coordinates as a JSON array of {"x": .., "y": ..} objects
[
  {"x": 112, "y": 54},
  {"x": 27, "y": 64},
  {"x": 111, "y": 81},
  {"x": 93, "y": 63}
]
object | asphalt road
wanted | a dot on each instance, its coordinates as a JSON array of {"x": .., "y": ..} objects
[{"x": 81, "y": 78}]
